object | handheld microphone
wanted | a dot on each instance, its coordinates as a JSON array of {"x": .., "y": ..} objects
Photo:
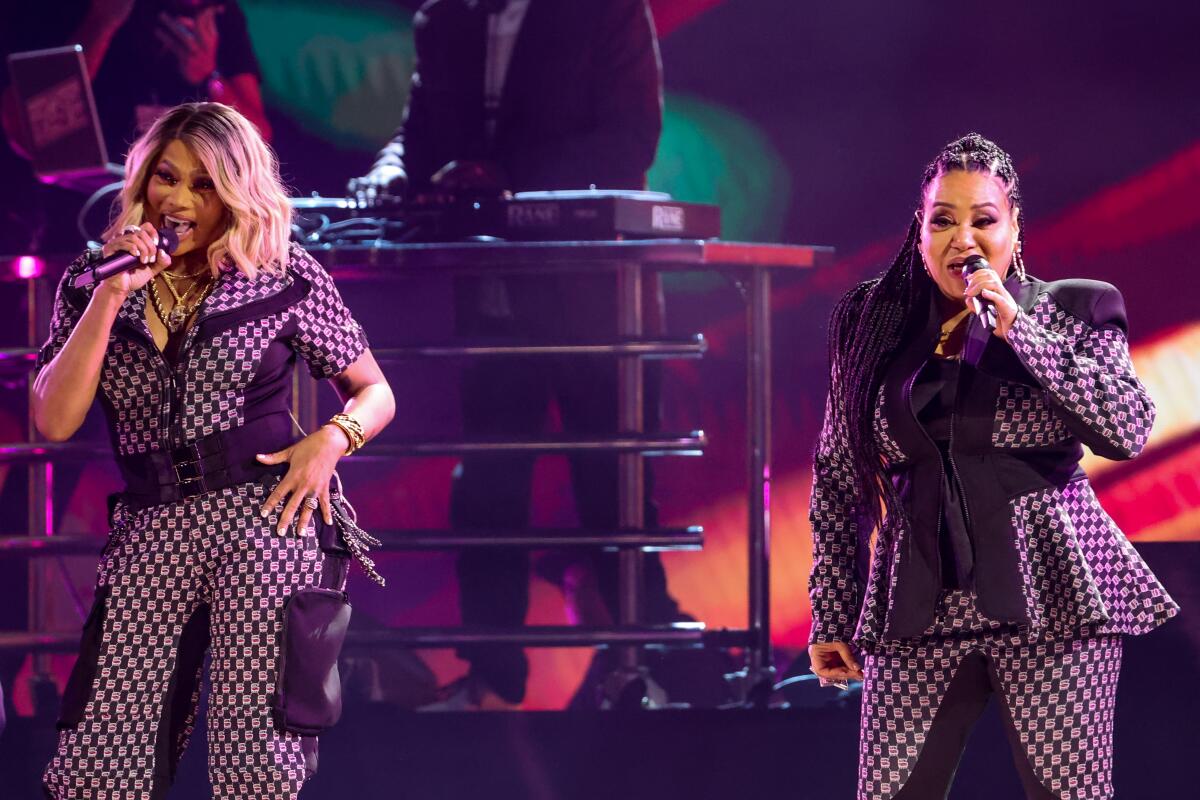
[
  {"x": 120, "y": 262},
  {"x": 981, "y": 307}
]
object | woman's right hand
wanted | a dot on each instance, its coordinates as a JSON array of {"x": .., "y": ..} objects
[
  {"x": 834, "y": 661},
  {"x": 143, "y": 243}
]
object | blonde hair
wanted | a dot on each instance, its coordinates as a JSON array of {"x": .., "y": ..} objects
[{"x": 244, "y": 171}]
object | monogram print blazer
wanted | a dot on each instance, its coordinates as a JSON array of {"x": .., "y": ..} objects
[{"x": 1048, "y": 559}]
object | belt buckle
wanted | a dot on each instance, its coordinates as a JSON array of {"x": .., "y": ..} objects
[{"x": 183, "y": 475}]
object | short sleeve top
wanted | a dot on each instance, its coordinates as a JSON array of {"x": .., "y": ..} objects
[{"x": 235, "y": 364}]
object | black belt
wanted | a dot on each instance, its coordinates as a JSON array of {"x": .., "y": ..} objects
[{"x": 219, "y": 460}]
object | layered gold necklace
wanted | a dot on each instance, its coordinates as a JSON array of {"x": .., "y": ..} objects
[{"x": 177, "y": 317}]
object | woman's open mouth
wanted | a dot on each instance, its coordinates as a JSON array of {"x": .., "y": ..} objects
[{"x": 183, "y": 227}]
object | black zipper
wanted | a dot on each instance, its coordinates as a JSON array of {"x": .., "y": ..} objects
[
  {"x": 132, "y": 333},
  {"x": 285, "y": 298},
  {"x": 168, "y": 411},
  {"x": 182, "y": 360}
]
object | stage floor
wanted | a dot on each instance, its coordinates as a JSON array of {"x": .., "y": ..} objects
[{"x": 379, "y": 752}]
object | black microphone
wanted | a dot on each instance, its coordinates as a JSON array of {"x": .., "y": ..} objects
[
  {"x": 982, "y": 307},
  {"x": 120, "y": 262}
]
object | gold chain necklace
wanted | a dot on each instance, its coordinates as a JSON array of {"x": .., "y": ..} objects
[
  {"x": 180, "y": 298},
  {"x": 184, "y": 276},
  {"x": 181, "y": 310},
  {"x": 170, "y": 279}
]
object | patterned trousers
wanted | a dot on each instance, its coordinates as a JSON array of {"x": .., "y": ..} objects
[
  {"x": 1060, "y": 696},
  {"x": 174, "y": 578}
]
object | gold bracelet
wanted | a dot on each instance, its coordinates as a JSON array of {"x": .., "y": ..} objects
[
  {"x": 349, "y": 432},
  {"x": 358, "y": 436},
  {"x": 352, "y": 428}
]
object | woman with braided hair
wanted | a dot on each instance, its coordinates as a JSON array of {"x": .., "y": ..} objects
[{"x": 950, "y": 452}]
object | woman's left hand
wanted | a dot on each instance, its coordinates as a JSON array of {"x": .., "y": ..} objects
[
  {"x": 312, "y": 461},
  {"x": 986, "y": 283}
]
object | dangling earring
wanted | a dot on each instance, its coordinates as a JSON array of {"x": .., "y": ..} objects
[
  {"x": 1018, "y": 262},
  {"x": 921, "y": 258},
  {"x": 914, "y": 235}
]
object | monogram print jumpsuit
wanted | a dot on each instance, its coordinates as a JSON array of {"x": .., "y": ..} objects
[{"x": 204, "y": 571}]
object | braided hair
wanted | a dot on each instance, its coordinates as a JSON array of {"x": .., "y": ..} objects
[{"x": 870, "y": 322}]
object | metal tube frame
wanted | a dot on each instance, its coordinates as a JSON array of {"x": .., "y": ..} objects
[
  {"x": 760, "y": 671},
  {"x": 435, "y": 539},
  {"x": 631, "y": 470},
  {"x": 692, "y": 347},
  {"x": 631, "y": 447},
  {"x": 40, "y": 498},
  {"x": 692, "y": 444},
  {"x": 639, "y": 636}
]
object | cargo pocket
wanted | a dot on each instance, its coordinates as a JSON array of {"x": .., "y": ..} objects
[
  {"x": 83, "y": 675},
  {"x": 308, "y": 692}
]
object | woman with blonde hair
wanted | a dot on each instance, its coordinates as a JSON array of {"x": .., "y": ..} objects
[{"x": 192, "y": 356}]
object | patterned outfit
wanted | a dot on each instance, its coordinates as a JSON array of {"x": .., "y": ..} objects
[
  {"x": 1055, "y": 581},
  {"x": 176, "y": 576}
]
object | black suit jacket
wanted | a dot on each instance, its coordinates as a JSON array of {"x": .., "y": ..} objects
[
  {"x": 1047, "y": 557},
  {"x": 582, "y": 102}
]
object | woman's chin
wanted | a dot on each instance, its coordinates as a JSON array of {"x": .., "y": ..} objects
[
  {"x": 187, "y": 246},
  {"x": 952, "y": 293}
]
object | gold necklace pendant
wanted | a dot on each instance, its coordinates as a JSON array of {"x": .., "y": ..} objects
[
  {"x": 177, "y": 317},
  {"x": 175, "y": 294},
  {"x": 949, "y": 337}
]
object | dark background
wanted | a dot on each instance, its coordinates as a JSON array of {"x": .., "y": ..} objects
[{"x": 809, "y": 123}]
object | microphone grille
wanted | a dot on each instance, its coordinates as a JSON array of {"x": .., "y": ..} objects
[
  {"x": 168, "y": 239},
  {"x": 974, "y": 263}
]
